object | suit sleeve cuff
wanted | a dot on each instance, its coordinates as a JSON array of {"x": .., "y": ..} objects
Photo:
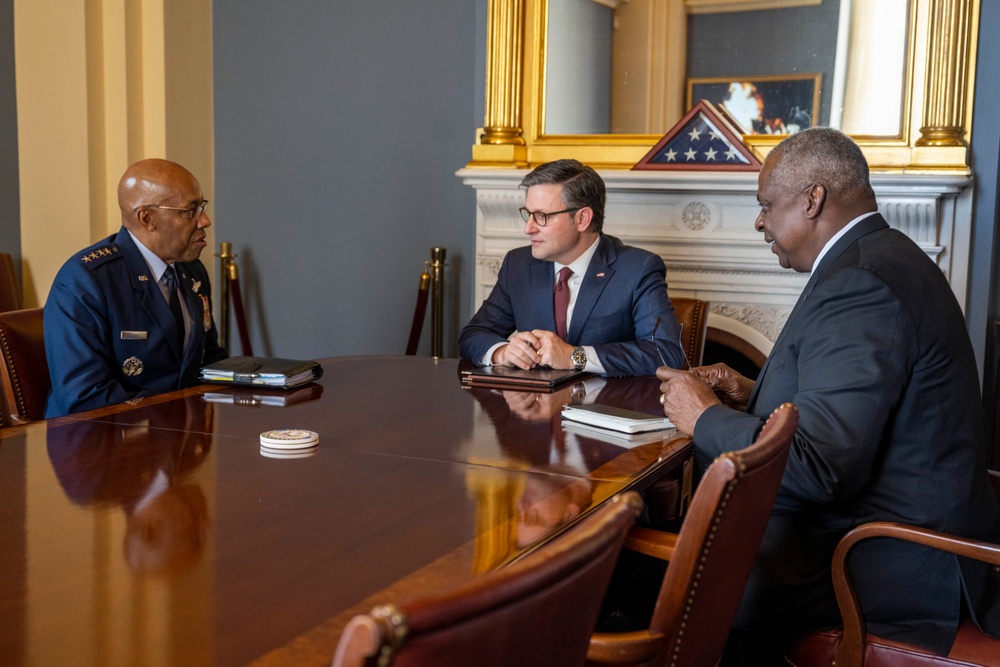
[
  {"x": 487, "y": 359},
  {"x": 594, "y": 364},
  {"x": 720, "y": 429}
]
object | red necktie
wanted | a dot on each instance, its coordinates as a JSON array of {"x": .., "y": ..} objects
[{"x": 560, "y": 300}]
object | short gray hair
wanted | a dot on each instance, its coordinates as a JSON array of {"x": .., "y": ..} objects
[{"x": 821, "y": 155}]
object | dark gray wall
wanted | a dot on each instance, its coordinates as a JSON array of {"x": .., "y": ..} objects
[
  {"x": 10, "y": 217},
  {"x": 338, "y": 129},
  {"x": 983, "y": 307}
]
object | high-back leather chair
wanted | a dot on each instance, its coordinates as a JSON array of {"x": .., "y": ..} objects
[
  {"x": 854, "y": 647},
  {"x": 24, "y": 371},
  {"x": 10, "y": 293},
  {"x": 537, "y": 611},
  {"x": 710, "y": 559},
  {"x": 693, "y": 314}
]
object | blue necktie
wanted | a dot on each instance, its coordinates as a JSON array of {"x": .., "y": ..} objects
[{"x": 173, "y": 298}]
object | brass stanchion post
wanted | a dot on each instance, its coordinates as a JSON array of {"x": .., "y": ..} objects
[
  {"x": 225, "y": 256},
  {"x": 437, "y": 301}
]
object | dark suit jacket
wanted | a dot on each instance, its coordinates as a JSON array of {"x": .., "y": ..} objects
[
  {"x": 623, "y": 293},
  {"x": 98, "y": 295},
  {"x": 877, "y": 357}
]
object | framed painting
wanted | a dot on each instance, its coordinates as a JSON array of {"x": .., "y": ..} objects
[{"x": 781, "y": 104}]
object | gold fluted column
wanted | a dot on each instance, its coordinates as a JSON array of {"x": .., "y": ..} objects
[
  {"x": 504, "y": 67},
  {"x": 502, "y": 142},
  {"x": 947, "y": 80}
]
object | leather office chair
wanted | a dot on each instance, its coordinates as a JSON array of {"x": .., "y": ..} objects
[
  {"x": 693, "y": 314},
  {"x": 709, "y": 560},
  {"x": 853, "y": 647},
  {"x": 10, "y": 293},
  {"x": 24, "y": 371},
  {"x": 537, "y": 611}
]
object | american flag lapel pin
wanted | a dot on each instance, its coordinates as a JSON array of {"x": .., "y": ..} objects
[{"x": 601, "y": 274}]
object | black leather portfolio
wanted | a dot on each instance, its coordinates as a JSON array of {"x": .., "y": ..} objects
[{"x": 262, "y": 371}]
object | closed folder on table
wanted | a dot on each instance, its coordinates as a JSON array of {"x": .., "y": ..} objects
[
  {"x": 262, "y": 371},
  {"x": 505, "y": 376}
]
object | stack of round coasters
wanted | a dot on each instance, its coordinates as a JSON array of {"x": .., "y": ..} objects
[
  {"x": 288, "y": 453},
  {"x": 289, "y": 443}
]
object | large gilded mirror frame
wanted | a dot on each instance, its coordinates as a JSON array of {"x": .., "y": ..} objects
[{"x": 937, "y": 95}]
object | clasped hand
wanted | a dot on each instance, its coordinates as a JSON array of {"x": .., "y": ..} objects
[
  {"x": 528, "y": 349},
  {"x": 536, "y": 406},
  {"x": 687, "y": 394}
]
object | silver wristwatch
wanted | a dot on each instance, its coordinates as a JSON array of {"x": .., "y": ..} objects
[{"x": 579, "y": 358}]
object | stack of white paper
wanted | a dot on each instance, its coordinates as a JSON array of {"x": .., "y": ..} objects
[{"x": 616, "y": 419}]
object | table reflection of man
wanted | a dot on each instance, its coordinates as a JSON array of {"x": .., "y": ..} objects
[
  {"x": 143, "y": 468},
  {"x": 548, "y": 501},
  {"x": 556, "y": 485},
  {"x": 530, "y": 419}
]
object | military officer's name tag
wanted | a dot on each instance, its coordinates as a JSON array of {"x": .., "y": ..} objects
[{"x": 134, "y": 335}]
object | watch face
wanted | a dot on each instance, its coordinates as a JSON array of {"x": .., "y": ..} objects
[{"x": 579, "y": 357}]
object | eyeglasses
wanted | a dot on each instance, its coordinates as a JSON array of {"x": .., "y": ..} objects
[
  {"x": 680, "y": 334},
  {"x": 652, "y": 337},
  {"x": 542, "y": 219},
  {"x": 192, "y": 211}
]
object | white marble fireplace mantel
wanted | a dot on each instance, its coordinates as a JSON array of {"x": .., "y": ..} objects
[{"x": 701, "y": 223}]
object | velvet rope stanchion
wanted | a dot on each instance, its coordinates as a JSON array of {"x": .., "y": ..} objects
[
  {"x": 225, "y": 256},
  {"x": 230, "y": 287},
  {"x": 423, "y": 290},
  {"x": 241, "y": 320}
]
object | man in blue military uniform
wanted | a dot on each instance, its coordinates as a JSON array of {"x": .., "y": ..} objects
[{"x": 131, "y": 316}]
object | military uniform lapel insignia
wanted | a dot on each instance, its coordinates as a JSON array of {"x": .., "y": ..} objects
[
  {"x": 206, "y": 312},
  {"x": 132, "y": 366}
]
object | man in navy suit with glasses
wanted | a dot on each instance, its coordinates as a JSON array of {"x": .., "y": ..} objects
[{"x": 575, "y": 298}]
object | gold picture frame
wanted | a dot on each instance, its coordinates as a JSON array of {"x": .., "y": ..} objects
[
  {"x": 768, "y": 104},
  {"x": 938, "y": 86}
]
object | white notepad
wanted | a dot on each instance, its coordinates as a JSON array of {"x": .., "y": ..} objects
[{"x": 616, "y": 419}]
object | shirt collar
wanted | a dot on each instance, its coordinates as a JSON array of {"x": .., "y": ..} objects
[
  {"x": 579, "y": 265},
  {"x": 836, "y": 237},
  {"x": 156, "y": 265}
]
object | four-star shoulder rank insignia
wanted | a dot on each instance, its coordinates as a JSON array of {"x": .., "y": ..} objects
[{"x": 98, "y": 254}]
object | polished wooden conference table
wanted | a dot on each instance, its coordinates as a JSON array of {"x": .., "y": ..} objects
[{"x": 160, "y": 532}]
